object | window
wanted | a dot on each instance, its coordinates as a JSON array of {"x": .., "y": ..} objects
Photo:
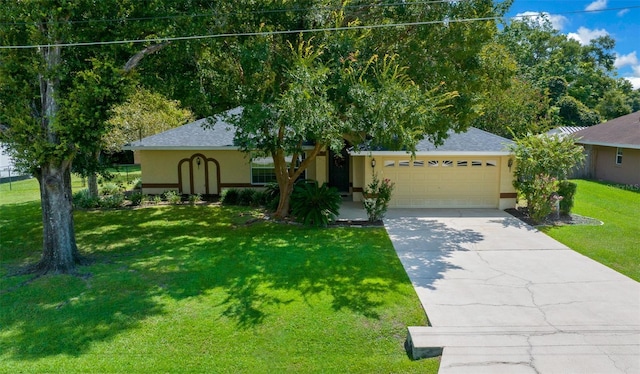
[
  {"x": 476, "y": 163},
  {"x": 389, "y": 163},
  {"x": 263, "y": 170},
  {"x": 433, "y": 163},
  {"x": 418, "y": 163},
  {"x": 447, "y": 163},
  {"x": 619, "y": 156},
  {"x": 403, "y": 163},
  {"x": 492, "y": 163},
  {"x": 462, "y": 163}
]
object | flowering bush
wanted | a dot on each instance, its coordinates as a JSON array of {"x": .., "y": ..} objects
[{"x": 376, "y": 198}]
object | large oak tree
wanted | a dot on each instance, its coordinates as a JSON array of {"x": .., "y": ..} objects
[{"x": 42, "y": 81}]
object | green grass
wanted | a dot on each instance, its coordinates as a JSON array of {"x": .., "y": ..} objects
[
  {"x": 196, "y": 289},
  {"x": 617, "y": 242}
]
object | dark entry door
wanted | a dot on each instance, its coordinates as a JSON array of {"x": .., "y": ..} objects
[{"x": 339, "y": 170}]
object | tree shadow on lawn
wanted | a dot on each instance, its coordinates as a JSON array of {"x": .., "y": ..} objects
[{"x": 144, "y": 256}]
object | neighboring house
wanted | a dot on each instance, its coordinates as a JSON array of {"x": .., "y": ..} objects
[
  {"x": 613, "y": 149},
  {"x": 579, "y": 171},
  {"x": 470, "y": 170}
]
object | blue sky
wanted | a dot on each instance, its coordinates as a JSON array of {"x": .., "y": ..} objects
[{"x": 585, "y": 20}]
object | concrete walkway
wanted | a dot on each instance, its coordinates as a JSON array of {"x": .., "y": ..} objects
[{"x": 503, "y": 297}]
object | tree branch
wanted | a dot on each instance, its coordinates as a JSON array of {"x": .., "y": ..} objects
[{"x": 135, "y": 59}]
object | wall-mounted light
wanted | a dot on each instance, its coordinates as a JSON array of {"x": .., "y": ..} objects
[
  {"x": 373, "y": 163},
  {"x": 510, "y": 163},
  {"x": 198, "y": 161}
]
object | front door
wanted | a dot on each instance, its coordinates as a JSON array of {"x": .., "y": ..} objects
[{"x": 339, "y": 170}]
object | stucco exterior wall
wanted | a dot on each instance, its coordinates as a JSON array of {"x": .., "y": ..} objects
[
  {"x": 604, "y": 167},
  {"x": 160, "y": 170}
]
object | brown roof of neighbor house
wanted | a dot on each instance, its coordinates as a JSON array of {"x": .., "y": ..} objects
[{"x": 623, "y": 132}]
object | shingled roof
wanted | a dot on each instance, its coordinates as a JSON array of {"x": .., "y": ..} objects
[
  {"x": 194, "y": 136},
  {"x": 623, "y": 132},
  {"x": 473, "y": 141}
]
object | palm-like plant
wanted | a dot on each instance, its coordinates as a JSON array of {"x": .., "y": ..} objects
[{"x": 315, "y": 205}]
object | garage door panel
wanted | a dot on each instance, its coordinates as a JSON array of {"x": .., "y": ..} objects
[{"x": 460, "y": 185}]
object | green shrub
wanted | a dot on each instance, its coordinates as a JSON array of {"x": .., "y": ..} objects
[
  {"x": 112, "y": 201},
  {"x": 259, "y": 198},
  {"x": 138, "y": 198},
  {"x": 230, "y": 197},
  {"x": 82, "y": 200},
  {"x": 173, "y": 197},
  {"x": 193, "y": 199},
  {"x": 110, "y": 189},
  {"x": 157, "y": 199},
  {"x": 315, "y": 205},
  {"x": 543, "y": 197},
  {"x": 567, "y": 190},
  {"x": 271, "y": 196},
  {"x": 246, "y": 196}
]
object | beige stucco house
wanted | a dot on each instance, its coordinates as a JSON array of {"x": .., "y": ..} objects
[
  {"x": 613, "y": 149},
  {"x": 470, "y": 170}
]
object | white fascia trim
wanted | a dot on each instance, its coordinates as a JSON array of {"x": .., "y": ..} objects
[
  {"x": 615, "y": 145},
  {"x": 431, "y": 153}
]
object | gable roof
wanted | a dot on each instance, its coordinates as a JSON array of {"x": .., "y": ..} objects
[
  {"x": 471, "y": 142},
  {"x": 193, "y": 136},
  {"x": 623, "y": 132}
]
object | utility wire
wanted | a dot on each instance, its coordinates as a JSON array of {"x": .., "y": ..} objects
[{"x": 298, "y": 31}]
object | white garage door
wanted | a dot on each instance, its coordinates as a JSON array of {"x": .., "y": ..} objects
[{"x": 443, "y": 182}]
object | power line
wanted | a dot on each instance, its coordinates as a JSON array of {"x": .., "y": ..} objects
[{"x": 297, "y": 31}]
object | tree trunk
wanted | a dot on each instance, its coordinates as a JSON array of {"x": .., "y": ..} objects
[
  {"x": 285, "y": 198},
  {"x": 59, "y": 250}
]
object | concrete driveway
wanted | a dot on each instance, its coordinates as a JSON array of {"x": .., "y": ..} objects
[{"x": 503, "y": 297}]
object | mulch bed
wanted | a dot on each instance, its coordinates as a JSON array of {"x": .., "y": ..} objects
[{"x": 565, "y": 219}]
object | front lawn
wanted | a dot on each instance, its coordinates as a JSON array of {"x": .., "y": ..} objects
[
  {"x": 203, "y": 289},
  {"x": 617, "y": 242}
]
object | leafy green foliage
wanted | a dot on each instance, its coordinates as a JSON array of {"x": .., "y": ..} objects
[
  {"x": 145, "y": 113},
  {"x": 138, "y": 198},
  {"x": 580, "y": 82},
  {"x": 83, "y": 200},
  {"x": 542, "y": 197},
  {"x": 173, "y": 197},
  {"x": 230, "y": 196},
  {"x": 246, "y": 196},
  {"x": 540, "y": 161},
  {"x": 567, "y": 190},
  {"x": 315, "y": 205}
]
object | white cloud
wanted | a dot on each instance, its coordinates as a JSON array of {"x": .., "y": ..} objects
[
  {"x": 597, "y": 5},
  {"x": 539, "y": 18},
  {"x": 623, "y": 12},
  {"x": 635, "y": 82},
  {"x": 634, "y": 78},
  {"x": 585, "y": 35},
  {"x": 624, "y": 60}
]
